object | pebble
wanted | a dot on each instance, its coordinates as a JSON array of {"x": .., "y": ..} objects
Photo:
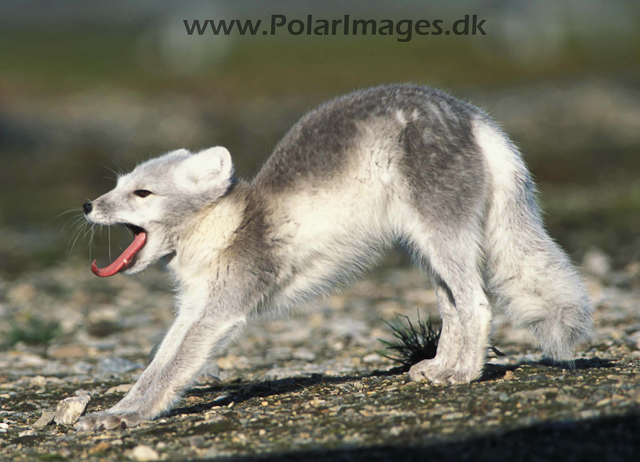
[
  {"x": 103, "y": 446},
  {"x": 315, "y": 402},
  {"x": 53, "y": 382},
  {"x": 357, "y": 385},
  {"x": 372, "y": 358},
  {"x": 4, "y": 427},
  {"x": 233, "y": 362},
  {"x": 589, "y": 414},
  {"x": 70, "y": 409},
  {"x": 303, "y": 354},
  {"x": 21, "y": 293},
  {"x": 124, "y": 388},
  {"x": 45, "y": 419},
  {"x": 118, "y": 365},
  {"x": 66, "y": 351},
  {"x": 596, "y": 262},
  {"x": 452, "y": 416},
  {"x": 210, "y": 453},
  {"x": 197, "y": 442},
  {"x": 81, "y": 367},
  {"x": 143, "y": 453},
  {"x": 37, "y": 382}
]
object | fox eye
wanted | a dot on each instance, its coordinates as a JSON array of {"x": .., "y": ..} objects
[{"x": 142, "y": 192}]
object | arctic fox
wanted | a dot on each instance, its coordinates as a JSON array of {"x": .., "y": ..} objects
[{"x": 353, "y": 177}]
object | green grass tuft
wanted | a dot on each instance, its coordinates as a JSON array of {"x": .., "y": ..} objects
[
  {"x": 413, "y": 343},
  {"x": 33, "y": 331}
]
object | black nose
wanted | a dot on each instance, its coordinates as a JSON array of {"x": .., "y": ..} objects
[{"x": 87, "y": 207}]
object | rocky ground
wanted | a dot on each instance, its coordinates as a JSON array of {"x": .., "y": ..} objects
[{"x": 312, "y": 387}]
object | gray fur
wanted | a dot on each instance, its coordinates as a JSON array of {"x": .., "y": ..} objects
[{"x": 350, "y": 179}]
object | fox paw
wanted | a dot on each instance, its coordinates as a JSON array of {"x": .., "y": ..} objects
[
  {"x": 429, "y": 370},
  {"x": 107, "y": 421}
]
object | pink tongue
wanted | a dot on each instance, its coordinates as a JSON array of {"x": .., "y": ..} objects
[{"x": 123, "y": 260}]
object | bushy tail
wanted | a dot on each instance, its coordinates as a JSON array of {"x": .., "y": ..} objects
[{"x": 528, "y": 275}]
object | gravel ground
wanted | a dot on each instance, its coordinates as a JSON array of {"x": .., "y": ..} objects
[{"x": 311, "y": 387}]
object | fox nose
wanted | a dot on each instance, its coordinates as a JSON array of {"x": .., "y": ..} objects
[{"x": 87, "y": 207}]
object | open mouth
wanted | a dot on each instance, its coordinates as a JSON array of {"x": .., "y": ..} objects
[{"x": 126, "y": 257}]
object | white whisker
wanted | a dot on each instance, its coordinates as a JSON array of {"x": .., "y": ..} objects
[{"x": 76, "y": 233}]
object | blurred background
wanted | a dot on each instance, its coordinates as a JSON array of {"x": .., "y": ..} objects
[{"x": 88, "y": 89}]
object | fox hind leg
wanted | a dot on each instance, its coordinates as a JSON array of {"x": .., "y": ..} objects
[
  {"x": 453, "y": 262},
  {"x": 435, "y": 370}
]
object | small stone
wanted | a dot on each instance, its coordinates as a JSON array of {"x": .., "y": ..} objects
[
  {"x": 45, "y": 419},
  {"x": 103, "y": 446},
  {"x": 210, "y": 453},
  {"x": 265, "y": 403},
  {"x": 233, "y": 362},
  {"x": 4, "y": 427},
  {"x": 197, "y": 442},
  {"x": 596, "y": 262},
  {"x": 303, "y": 354},
  {"x": 239, "y": 438},
  {"x": 37, "y": 382},
  {"x": 509, "y": 375},
  {"x": 142, "y": 453},
  {"x": 81, "y": 367},
  {"x": 118, "y": 365},
  {"x": 66, "y": 351},
  {"x": 589, "y": 414},
  {"x": 372, "y": 358},
  {"x": 22, "y": 293},
  {"x": 124, "y": 388},
  {"x": 69, "y": 410},
  {"x": 54, "y": 382}
]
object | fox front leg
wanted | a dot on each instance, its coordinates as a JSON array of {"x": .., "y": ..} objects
[{"x": 182, "y": 354}]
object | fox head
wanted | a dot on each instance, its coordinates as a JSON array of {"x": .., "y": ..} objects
[{"x": 155, "y": 199}]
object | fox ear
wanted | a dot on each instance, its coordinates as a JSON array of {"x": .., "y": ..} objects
[{"x": 208, "y": 169}]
